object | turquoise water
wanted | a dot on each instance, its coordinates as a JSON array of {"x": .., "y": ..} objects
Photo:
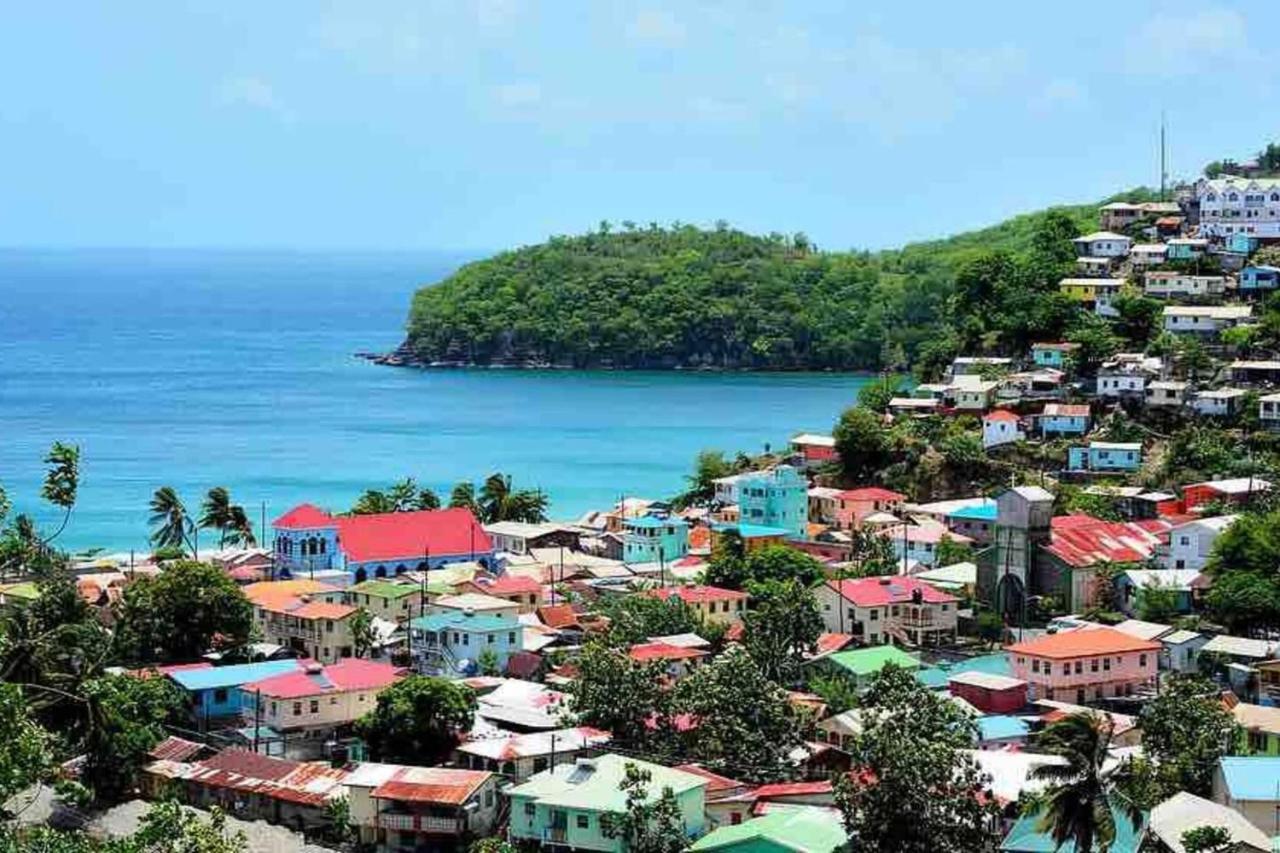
[{"x": 196, "y": 369}]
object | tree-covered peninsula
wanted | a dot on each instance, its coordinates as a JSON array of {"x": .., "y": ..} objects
[{"x": 681, "y": 296}]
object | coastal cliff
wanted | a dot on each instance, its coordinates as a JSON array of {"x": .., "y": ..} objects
[{"x": 721, "y": 299}]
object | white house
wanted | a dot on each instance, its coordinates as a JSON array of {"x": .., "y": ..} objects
[
  {"x": 1191, "y": 543},
  {"x": 1206, "y": 320},
  {"x": 1166, "y": 392},
  {"x": 1168, "y": 285},
  {"x": 1179, "y": 650},
  {"x": 973, "y": 393},
  {"x": 1232, "y": 205},
  {"x": 1269, "y": 410},
  {"x": 1103, "y": 244},
  {"x": 1218, "y": 402},
  {"x": 1116, "y": 383},
  {"x": 1001, "y": 427},
  {"x": 1147, "y": 254}
]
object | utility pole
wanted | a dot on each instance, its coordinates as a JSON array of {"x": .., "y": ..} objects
[
  {"x": 1164, "y": 174},
  {"x": 257, "y": 717}
]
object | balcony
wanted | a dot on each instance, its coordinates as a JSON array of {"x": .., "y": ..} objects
[
  {"x": 420, "y": 823},
  {"x": 556, "y": 835}
]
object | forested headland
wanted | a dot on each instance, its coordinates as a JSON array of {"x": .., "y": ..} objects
[{"x": 685, "y": 297}]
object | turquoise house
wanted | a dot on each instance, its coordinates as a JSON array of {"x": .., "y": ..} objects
[
  {"x": 1186, "y": 248},
  {"x": 1026, "y": 836},
  {"x": 1241, "y": 244},
  {"x": 563, "y": 806},
  {"x": 1105, "y": 456},
  {"x": 1258, "y": 277},
  {"x": 1053, "y": 355},
  {"x": 652, "y": 539},
  {"x": 1065, "y": 419},
  {"x": 215, "y": 691},
  {"x": 775, "y": 498},
  {"x": 450, "y": 642}
]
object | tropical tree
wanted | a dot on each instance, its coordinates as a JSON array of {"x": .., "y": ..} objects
[
  {"x": 648, "y": 824},
  {"x": 363, "y": 635},
  {"x": 1185, "y": 730},
  {"x": 782, "y": 631},
  {"x": 229, "y": 519},
  {"x": 61, "y": 482},
  {"x": 499, "y": 501},
  {"x": 125, "y": 717},
  {"x": 171, "y": 524},
  {"x": 709, "y": 466},
  {"x": 463, "y": 496},
  {"x": 403, "y": 496},
  {"x": 619, "y": 695},
  {"x": 181, "y": 613},
  {"x": 26, "y": 754},
  {"x": 418, "y": 720},
  {"x": 1082, "y": 803}
]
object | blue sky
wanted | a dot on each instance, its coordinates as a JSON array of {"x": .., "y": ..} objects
[{"x": 498, "y": 122}]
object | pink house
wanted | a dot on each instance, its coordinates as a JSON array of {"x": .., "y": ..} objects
[
  {"x": 892, "y": 608},
  {"x": 1085, "y": 664},
  {"x": 814, "y": 449},
  {"x": 854, "y": 505}
]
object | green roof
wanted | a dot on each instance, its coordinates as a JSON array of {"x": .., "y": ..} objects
[
  {"x": 1027, "y": 837},
  {"x": 594, "y": 785},
  {"x": 386, "y": 589},
  {"x": 806, "y": 830},
  {"x": 869, "y": 661},
  {"x": 26, "y": 591}
]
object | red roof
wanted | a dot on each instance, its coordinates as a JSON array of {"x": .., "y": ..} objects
[
  {"x": 510, "y": 585},
  {"x": 871, "y": 493},
  {"x": 345, "y": 675},
  {"x": 558, "y": 616},
  {"x": 432, "y": 785},
  {"x": 792, "y": 789},
  {"x": 831, "y": 642},
  {"x": 245, "y": 763},
  {"x": 304, "y": 517},
  {"x": 1084, "y": 642},
  {"x": 1082, "y": 540},
  {"x": 662, "y": 651},
  {"x": 696, "y": 594},
  {"x": 410, "y": 535},
  {"x": 716, "y": 782},
  {"x": 889, "y": 589},
  {"x": 175, "y": 749},
  {"x": 1000, "y": 415},
  {"x": 323, "y": 610}
]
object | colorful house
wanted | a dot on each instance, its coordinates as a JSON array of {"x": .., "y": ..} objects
[
  {"x": 394, "y": 807},
  {"x": 307, "y": 616},
  {"x": 1085, "y": 664},
  {"x": 754, "y": 537},
  {"x": 1204, "y": 320},
  {"x": 1260, "y": 728},
  {"x": 1056, "y": 355},
  {"x": 990, "y": 693},
  {"x": 654, "y": 539},
  {"x": 519, "y": 756},
  {"x": 1237, "y": 490},
  {"x": 317, "y": 701},
  {"x": 1094, "y": 292},
  {"x": 1256, "y": 278},
  {"x": 215, "y": 691},
  {"x": 888, "y": 609},
  {"x": 521, "y": 590},
  {"x": 450, "y": 642},
  {"x": 1029, "y": 835},
  {"x": 814, "y": 449},
  {"x": 864, "y": 664},
  {"x": 1250, "y": 784},
  {"x": 1001, "y": 427},
  {"x": 1064, "y": 419},
  {"x": 919, "y": 543},
  {"x": 1191, "y": 543},
  {"x": 564, "y": 805},
  {"x": 854, "y": 505},
  {"x": 378, "y": 545},
  {"x": 778, "y": 497},
  {"x": 711, "y": 603},
  {"x": 1102, "y": 244},
  {"x": 1105, "y": 456},
  {"x": 393, "y": 600},
  {"x": 806, "y": 829},
  {"x": 1186, "y": 248}
]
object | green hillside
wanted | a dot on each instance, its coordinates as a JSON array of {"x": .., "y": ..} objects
[{"x": 719, "y": 298}]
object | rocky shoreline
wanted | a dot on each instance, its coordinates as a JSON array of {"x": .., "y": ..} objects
[{"x": 404, "y": 357}]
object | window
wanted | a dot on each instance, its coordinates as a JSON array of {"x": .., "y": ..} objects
[
  {"x": 511, "y": 637},
  {"x": 529, "y": 809},
  {"x": 583, "y": 821},
  {"x": 735, "y": 818},
  {"x": 297, "y": 709},
  {"x": 1142, "y": 660},
  {"x": 1106, "y": 664},
  {"x": 1066, "y": 669},
  {"x": 274, "y": 709},
  {"x": 1079, "y": 667},
  {"x": 1093, "y": 665},
  {"x": 315, "y": 706},
  {"x": 333, "y": 700},
  {"x": 875, "y": 615},
  {"x": 220, "y": 695},
  {"x": 489, "y": 639},
  {"x": 466, "y": 639},
  {"x": 1035, "y": 664}
]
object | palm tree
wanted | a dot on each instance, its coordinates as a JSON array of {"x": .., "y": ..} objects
[
  {"x": 216, "y": 512},
  {"x": 500, "y": 502},
  {"x": 172, "y": 525},
  {"x": 1079, "y": 804},
  {"x": 464, "y": 496},
  {"x": 240, "y": 529}
]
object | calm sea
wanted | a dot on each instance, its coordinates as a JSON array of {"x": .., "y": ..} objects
[{"x": 202, "y": 368}]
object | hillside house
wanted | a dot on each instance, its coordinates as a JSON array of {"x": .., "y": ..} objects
[
  {"x": 855, "y": 505},
  {"x": 1167, "y": 393},
  {"x": 1183, "y": 812},
  {"x": 1085, "y": 665},
  {"x": 778, "y": 497},
  {"x": 918, "y": 543},
  {"x": 1064, "y": 419},
  {"x": 1118, "y": 215},
  {"x": 1191, "y": 543},
  {"x": 1129, "y": 585},
  {"x": 1095, "y": 293},
  {"x": 1269, "y": 411},
  {"x": 1091, "y": 267},
  {"x": 1255, "y": 372},
  {"x": 318, "y": 702},
  {"x": 519, "y": 537},
  {"x": 655, "y": 539},
  {"x": 1236, "y": 490},
  {"x": 1206, "y": 321},
  {"x": 1259, "y": 278},
  {"x": 879, "y": 610},
  {"x": 1178, "y": 285},
  {"x": 814, "y": 449},
  {"x": 1235, "y": 205},
  {"x": 1102, "y": 244},
  {"x": 1001, "y": 427},
  {"x": 1218, "y": 402},
  {"x": 1146, "y": 255},
  {"x": 216, "y": 691},
  {"x": 1056, "y": 355},
  {"x": 979, "y": 365},
  {"x": 1186, "y": 248},
  {"x": 1105, "y": 456},
  {"x": 395, "y": 600},
  {"x": 394, "y": 807},
  {"x": 1250, "y": 784},
  {"x": 973, "y": 393},
  {"x": 519, "y": 756},
  {"x": 450, "y": 642},
  {"x": 914, "y": 406},
  {"x": 710, "y": 603}
]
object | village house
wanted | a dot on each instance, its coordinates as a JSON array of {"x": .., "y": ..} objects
[
  {"x": 316, "y": 703},
  {"x": 814, "y": 449},
  {"x": 919, "y": 543},
  {"x": 1231, "y": 205},
  {"x": 518, "y": 756},
  {"x": 306, "y": 616},
  {"x": 451, "y": 642},
  {"x": 475, "y": 602},
  {"x": 1067, "y": 565},
  {"x": 856, "y": 505},
  {"x": 1130, "y": 584},
  {"x": 1105, "y": 456},
  {"x": 215, "y": 692},
  {"x": 888, "y": 609},
  {"x": 523, "y": 591},
  {"x": 1218, "y": 402},
  {"x": 1056, "y": 355},
  {"x": 1001, "y": 427},
  {"x": 394, "y": 807},
  {"x": 519, "y": 537},
  {"x": 396, "y": 600},
  {"x": 378, "y": 545},
  {"x": 1102, "y": 244},
  {"x": 988, "y": 692},
  {"x": 1144, "y": 255},
  {"x": 1085, "y": 665},
  {"x": 1204, "y": 320},
  {"x": 1191, "y": 543},
  {"x": 1064, "y": 419},
  {"x": 1172, "y": 819},
  {"x": 654, "y": 539},
  {"x": 802, "y": 829},
  {"x": 1168, "y": 393},
  {"x": 1257, "y": 278},
  {"x": 823, "y": 502},
  {"x": 710, "y": 603},
  {"x": 1237, "y": 490},
  {"x": 1269, "y": 411},
  {"x": 973, "y": 393},
  {"x": 1180, "y": 650},
  {"x": 1090, "y": 267},
  {"x": 914, "y": 405},
  {"x": 979, "y": 365},
  {"x": 1255, "y": 372},
  {"x": 1045, "y": 383},
  {"x": 1250, "y": 784},
  {"x": 1095, "y": 293},
  {"x": 862, "y": 665},
  {"x": 1186, "y": 248},
  {"x": 564, "y": 805},
  {"x": 1118, "y": 215},
  {"x": 1260, "y": 726},
  {"x": 778, "y": 497},
  {"x": 1178, "y": 285}
]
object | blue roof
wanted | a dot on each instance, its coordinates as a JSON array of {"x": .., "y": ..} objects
[
  {"x": 935, "y": 677},
  {"x": 755, "y": 531},
  {"x": 464, "y": 621},
  {"x": 984, "y": 512},
  {"x": 1027, "y": 837},
  {"x": 1252, "y": 777},
  {"x": 230, "y": 676},
  {"x": 651, "y": 522},
  {"x": 1002, "y": 727}
]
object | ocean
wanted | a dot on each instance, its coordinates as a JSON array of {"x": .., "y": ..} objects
[{"x": 196, "y": 369}]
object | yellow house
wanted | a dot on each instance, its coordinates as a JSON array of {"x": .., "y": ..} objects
[
  {"x": 1089, "y": 289},
  {"x": 711, "y": 603}
]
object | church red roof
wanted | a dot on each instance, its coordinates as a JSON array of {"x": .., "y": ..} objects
[
  {"x": 410, "y": 535},
  {"x": 304, "y": 517}
]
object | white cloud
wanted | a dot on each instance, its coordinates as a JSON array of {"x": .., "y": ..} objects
[
  {"x": 519, "y": 93},
  {"x": 1171, "y": 44},
  {"x": 252, "y": 92},
  {"x": 658, "y": 27}
]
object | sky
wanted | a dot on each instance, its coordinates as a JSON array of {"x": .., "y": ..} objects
[{"x": 483, "y": 125}]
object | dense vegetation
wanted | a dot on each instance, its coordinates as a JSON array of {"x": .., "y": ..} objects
[{"x": 720, "y": 298}]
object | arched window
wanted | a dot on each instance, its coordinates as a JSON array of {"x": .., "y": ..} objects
[
  {"x": 380, "y": 572},
  {"x": 361, "y": 576},
  {"x": 400, "y": 569},
  {"x": 1233, "y": 197},
  {"x": 1211, "y": 197},
  {"x": 1275, "y": 196},
  {"x": 322, "y": 546}
]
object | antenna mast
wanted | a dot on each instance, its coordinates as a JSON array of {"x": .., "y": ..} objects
[{"x": 1164, "y": 174}]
